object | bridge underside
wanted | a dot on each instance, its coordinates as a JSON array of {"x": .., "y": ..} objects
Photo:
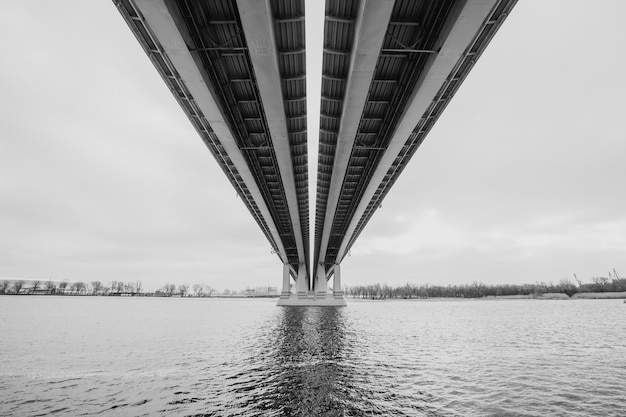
[
  {"x": 389, "y": 70},
  {"x": 237, "y": 69}
]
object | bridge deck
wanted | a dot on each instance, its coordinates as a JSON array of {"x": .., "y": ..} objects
[
  {"x": 380, "y": 100},
  {"x": 237, "y": 68},
  {"x": 200, "y": 50}
]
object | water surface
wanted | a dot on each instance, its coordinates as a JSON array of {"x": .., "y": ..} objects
[{"x": 112, "y": 356}]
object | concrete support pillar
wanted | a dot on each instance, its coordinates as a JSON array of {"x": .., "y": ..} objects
[
  {"x": 320, "y": 282},
  {"x": 286, "y": 292},
  {"x": 302, "y": 284},
  {"x": 304, "y": 296},
  {"x": 337, "y": 292}
]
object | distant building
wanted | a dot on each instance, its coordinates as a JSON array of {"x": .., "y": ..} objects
[{"x": 262, "y": 292}]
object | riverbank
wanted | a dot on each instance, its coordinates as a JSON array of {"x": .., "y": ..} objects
[
  {"x": 545, "y": 296},
  {"x": 579, "y": 296},
  {"x": 562, "y": 296}
]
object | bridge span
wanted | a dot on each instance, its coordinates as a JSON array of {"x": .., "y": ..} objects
[{"x": 238, "y": 70}]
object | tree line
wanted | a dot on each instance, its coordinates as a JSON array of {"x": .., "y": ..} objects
[
  {"x": 69, "y": 288},
  {"x": 183, "y": 290},
  {"x": 614, "y": 283},
  {"x": 479, "y": 290},
  {"x": 135, "y": 288}
]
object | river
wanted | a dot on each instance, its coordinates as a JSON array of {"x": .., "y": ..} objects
[{"x": 111, "y": 356}]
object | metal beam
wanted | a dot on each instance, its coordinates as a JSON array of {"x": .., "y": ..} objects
[
  {"x": 258, "y": 26},
  {"x": 164, "y": 21},
  {"x": 458, "y": 34},
  {"x": 371, "y": 27}
]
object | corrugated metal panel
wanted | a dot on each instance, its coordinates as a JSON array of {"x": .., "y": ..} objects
[
  {"x": 446, "y": 92},
  {"x": 339, "y": 27},
  {"x": 222, "y": 11},
  {"x": 414, "y": 25},
  {"x": 290, "y": 42},
  {"x": 217, "y": 39}
]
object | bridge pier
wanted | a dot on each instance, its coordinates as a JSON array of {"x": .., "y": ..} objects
[
  {"x": 337, "y": 291},
  {"x": 321, "y": 286},
  {"x": 302, "y": 284},
  {"x": 286, "y": 291},
  {"x": 305, "y": 298}
]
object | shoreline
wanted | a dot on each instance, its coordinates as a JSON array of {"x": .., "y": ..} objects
[
  {"x": 609, "y": 295},
  {"x": 547, "y": 296}
]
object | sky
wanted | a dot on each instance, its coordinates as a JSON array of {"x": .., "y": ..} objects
[{"x": 102, "y": 177}]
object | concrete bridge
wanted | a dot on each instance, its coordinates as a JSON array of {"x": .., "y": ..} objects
[{"x": 238, "y": 70}]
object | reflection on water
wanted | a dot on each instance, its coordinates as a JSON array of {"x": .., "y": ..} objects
[
  {"x": 310, "y": 354},
  {"x": 170, "y": 357},
  {"x": 313, "y": 361},
  {"x": 299, "y": 366}
]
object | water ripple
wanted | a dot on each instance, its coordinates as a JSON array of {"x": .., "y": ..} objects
[{"x": 250, "y": 358}]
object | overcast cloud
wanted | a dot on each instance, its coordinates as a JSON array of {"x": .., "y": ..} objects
[{"x": 103, "y": 178}]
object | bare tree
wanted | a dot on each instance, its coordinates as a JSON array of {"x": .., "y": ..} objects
[
  {"x": 80, "y": 287},
  {"x": 169, "y": 289},
  {"x": 129, "y": 288},
  {"x": 208, "y": 290},
  {"x": 50, "y": 287},
  {"x": 4, "y": 285},
  {"x": 36, "y": 285},
  {"x": 567, "y": 286},
  {"x": 62, "y": 286},
  {"x": 198, "y": 290},
  {"x": 138, "y": 286},
  {"x": 182, "y": 289},
  {"x": 96, "y": 287},
  {"x": 17, "y": 285}
]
